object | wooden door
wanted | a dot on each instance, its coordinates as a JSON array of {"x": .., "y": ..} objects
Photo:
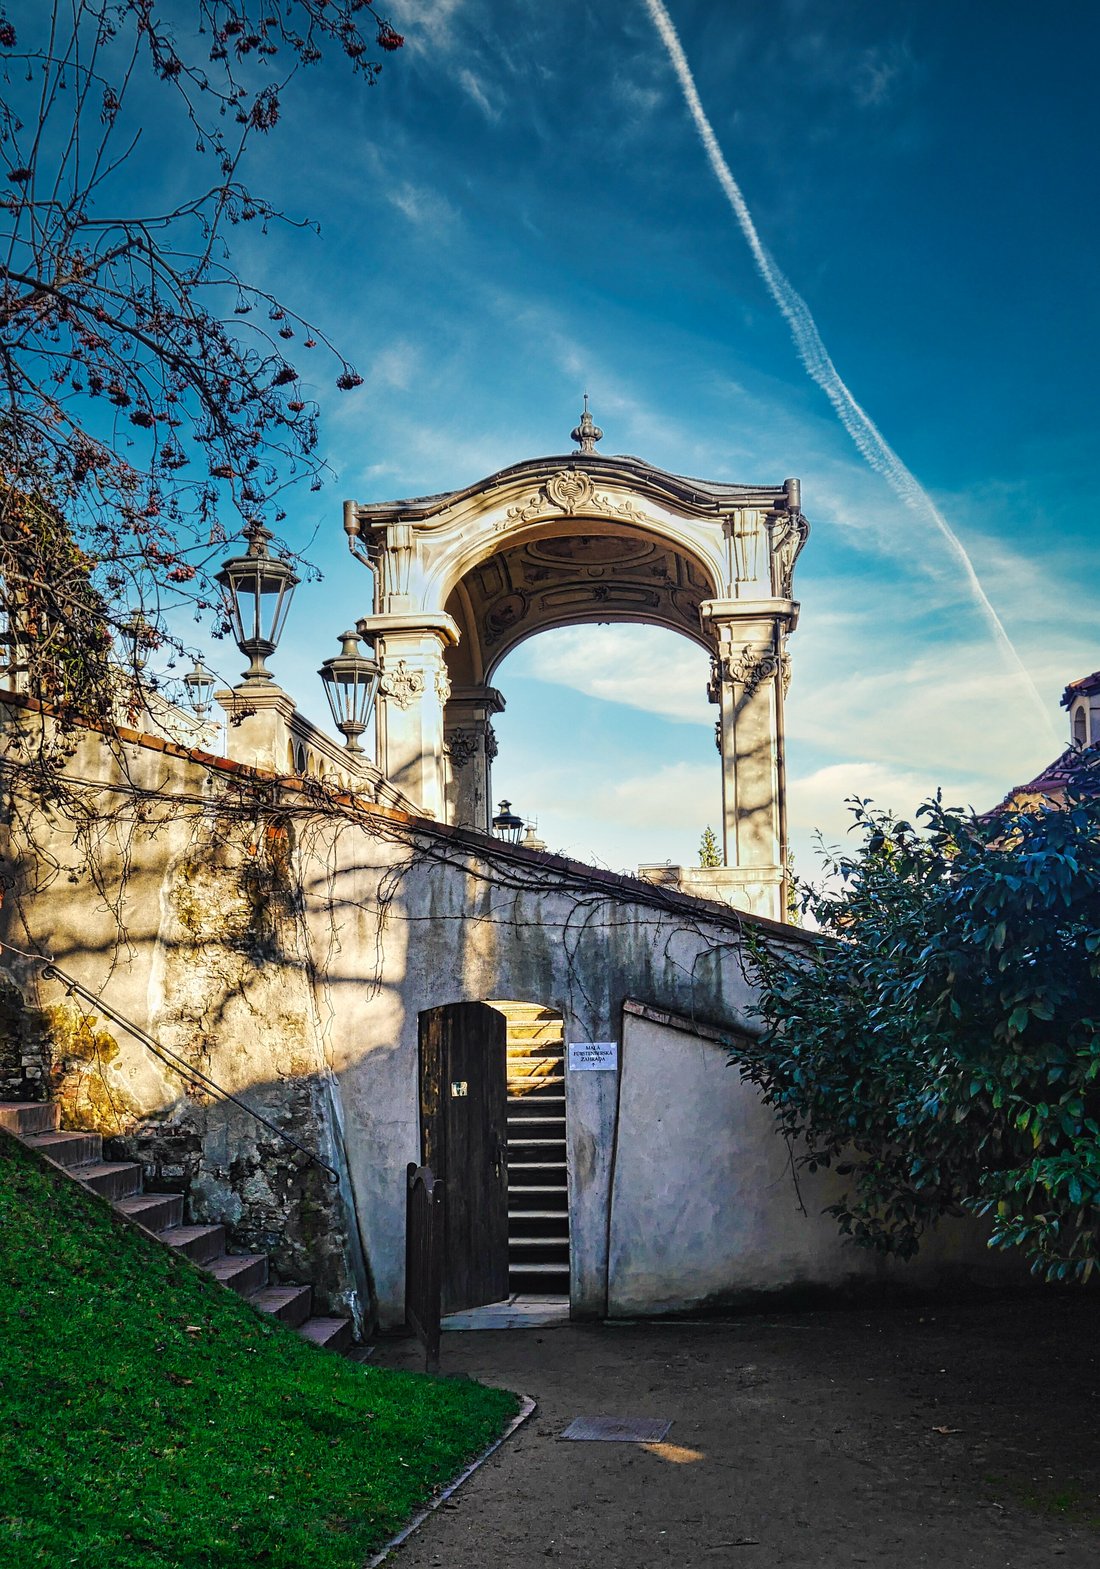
[{"x": 463, "y": 1132}]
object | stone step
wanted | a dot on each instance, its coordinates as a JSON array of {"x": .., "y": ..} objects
[
  {"x": 538, "y": 1269},
  {"x": 547, "y": 1243},
  {"x": 526, "y": 1142},
  {"x": 530, "y": 1119},
  {"x": 535, "y": 1098},
  {"x": 525, "y": 1010},
  {"x": 112, "y": 1179},
  {"x": 535, "y": 1165},
  {"x": 290, "y": 1304},
  {"x": 242, "y": 1273},
  {"x": 541, "y": 1192},
  {"x": 198, "y": 1243},
  {"x": 520, "y": 1215},
  {"x": 152, "y": 1211},
  {"x": 67, "y": 1149},
  {"x": 530, "y": 1085},
  {"x": 161, "y": 1215},
  {"x": 332, "y": 1333},
  {"x": 23, "y": 1117}
]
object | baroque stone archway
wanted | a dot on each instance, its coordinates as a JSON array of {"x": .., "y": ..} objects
[{"x": 461, "y": 578}]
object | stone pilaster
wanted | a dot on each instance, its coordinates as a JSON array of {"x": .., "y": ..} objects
[
  {"x": 747, "y": 684},
  {"x": 469, "y": 747},
  {"x": 257, "y": 729},
  {"x": 412, "y": 694}
]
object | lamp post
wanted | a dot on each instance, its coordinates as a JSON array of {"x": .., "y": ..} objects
[
  {"x": 506, "y": 825},
  {"x": 258, "y": 588},
  {"x": 351, "y": 682},
  {"x": 199, "y": 686}
]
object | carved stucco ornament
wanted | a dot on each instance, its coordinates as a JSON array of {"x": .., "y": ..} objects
[
  {"x": 572, "y": 491},
  {"x": 402, "y": 684},
  {"x": 714, "y": 685},
  {"x": 751, "y": 668},
  {"x": 787, "y": 543},
  {"x": 462, "y": 746},
  {"x": 490, "y": 742},
  {"x": 443, "y": 686}
]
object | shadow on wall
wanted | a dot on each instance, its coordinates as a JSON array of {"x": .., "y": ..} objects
[{"x": 230, "y": 1168}]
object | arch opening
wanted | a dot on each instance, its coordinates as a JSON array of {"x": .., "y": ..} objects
[
  {"x": 607, "y": 744},
  {"x": 557, "y": 576}
]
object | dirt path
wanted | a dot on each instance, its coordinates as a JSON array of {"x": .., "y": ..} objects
[{"x": 805, "y": 1441}]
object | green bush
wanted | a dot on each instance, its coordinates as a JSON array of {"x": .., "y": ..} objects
[{"x": 941, "y": 1051}]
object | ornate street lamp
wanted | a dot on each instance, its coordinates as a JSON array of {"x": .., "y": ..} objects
[
  {"x": 135, "y": 630},
  {"x": 506, "y": 825},
  {"x": 258, "y": 588},
  {"x": 199, "y": 685},
  {"x": 351, "y": 681}
]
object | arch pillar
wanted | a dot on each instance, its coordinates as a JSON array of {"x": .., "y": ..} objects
[
  {"x": 412, "y": 692},
  {"x": 749, "y": 672},
  {"x": 469, "y": 747}
]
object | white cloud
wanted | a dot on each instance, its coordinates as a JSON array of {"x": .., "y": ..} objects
[
  {"x": 876, "y": 74},
  {"x": 421, "y": 205},
  {"x": 644, "y": 667},
  {"x": 396, "y": 365},
  {"x": 470, "y": 84},
  {"x": 431, "y": 26},
  {"x": 675, "y": 797},
  {"x": 653, "y": 815},
  {"x": 816, "y": 801}
]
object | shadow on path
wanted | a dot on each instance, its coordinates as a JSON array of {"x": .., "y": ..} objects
[{"x": 805, "y": 1441}]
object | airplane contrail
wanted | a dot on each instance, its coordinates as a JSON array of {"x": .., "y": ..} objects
[{"x": 866, "y": 435}]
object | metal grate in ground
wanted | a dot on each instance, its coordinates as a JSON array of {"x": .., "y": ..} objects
[{"x": 618, "y": 1429}]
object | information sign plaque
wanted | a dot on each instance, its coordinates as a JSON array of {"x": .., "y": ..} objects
[{"x": 593, "y": 1056}]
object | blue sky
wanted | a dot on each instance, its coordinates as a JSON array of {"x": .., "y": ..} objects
[{"x": 521, "y": 209}]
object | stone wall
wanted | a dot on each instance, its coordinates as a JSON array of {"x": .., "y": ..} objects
[
  {"x": 283, "y": 942},
  {"x": 183, "y": 910}
]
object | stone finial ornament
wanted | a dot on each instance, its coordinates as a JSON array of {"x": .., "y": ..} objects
[{"x": 587, "y": 433}]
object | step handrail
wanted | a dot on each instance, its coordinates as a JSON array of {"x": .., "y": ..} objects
[{"x": 53, "y": 971}]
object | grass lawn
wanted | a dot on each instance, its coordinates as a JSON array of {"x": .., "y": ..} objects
[{"x": 149, "y": 1418}]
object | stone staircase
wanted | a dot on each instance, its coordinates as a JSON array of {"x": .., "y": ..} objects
[
  {"x": 538, "y": 1196},
  {"x": 80, "y": 1156}
]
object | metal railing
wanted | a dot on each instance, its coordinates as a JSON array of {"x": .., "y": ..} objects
[
  {"x": 53, "y": 971},
  {"x": 424, "y": 1221}
]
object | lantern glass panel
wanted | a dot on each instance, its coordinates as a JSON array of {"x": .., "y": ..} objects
[{"x": 350, "y": 680}]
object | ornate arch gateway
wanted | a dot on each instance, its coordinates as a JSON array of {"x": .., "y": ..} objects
[{"x": 461, "y": 578}]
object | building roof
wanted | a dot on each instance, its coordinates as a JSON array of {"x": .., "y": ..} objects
[
  {"x": 1077, "y": 767},
  {"x": 1084, "y": 686}
]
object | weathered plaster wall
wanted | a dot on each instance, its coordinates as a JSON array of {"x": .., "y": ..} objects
[
  {"x": 285, "y": 943},
  {"x": 705, "y": 1211},
  {"x": 183, "y": 907},
  {"x": 458, "y": 925}
]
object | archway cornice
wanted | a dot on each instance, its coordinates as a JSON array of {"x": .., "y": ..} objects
[{"x": 691, "y": 497}]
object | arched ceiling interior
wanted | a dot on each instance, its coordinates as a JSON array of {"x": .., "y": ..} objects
[{"x": 591, "y": 575}]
